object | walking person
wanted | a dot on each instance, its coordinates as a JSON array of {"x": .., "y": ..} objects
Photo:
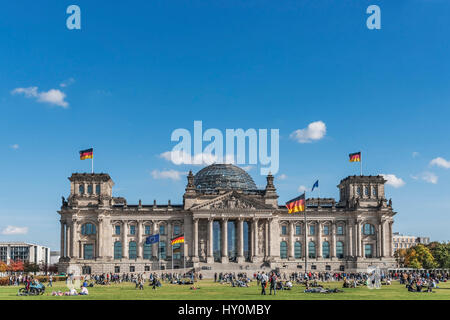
[
  {"x": 273, "y": 284},
  {"x": 264, "y": 280}
]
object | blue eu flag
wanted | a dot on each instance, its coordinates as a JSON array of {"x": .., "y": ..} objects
[
  {"x": 152, "y": 239},
  {"x": 316, "y": 185}
]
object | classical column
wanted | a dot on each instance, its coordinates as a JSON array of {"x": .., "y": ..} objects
[
  {"x": 305, "y": 239},
  {"x": 391, "y": 252},
  {"x": 195, "y": 240},
  {"x": 100, "y": 246},
  {"x": 349, "y": 243},
  {"x": 291, "y": 239},
  {"x": 319, "y": 240},
  {"x": 240, "y": 253},
  {"x": 254, "y": 240},
  {"x": 62, "y": 243},
  {"x": 267, "y": 237},
  {"x": 139, "y": 241},
  {"x": 333, "y": 239},
  {"x": 210, "y": 255},
  {"x": 76, "y": 239},
  {"x": 155, "y": 248},
  {"x": 125, "y": 240},
  {"x": 224, "y": 240},
  {"x": 358, "y": 238},
  {"x": 68, "y": 240}
]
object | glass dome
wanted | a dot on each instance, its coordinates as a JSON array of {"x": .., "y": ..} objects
[{"x": 223, "y": 176}]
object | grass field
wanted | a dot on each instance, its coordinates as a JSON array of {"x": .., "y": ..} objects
[{"x": 214, "y": 291}]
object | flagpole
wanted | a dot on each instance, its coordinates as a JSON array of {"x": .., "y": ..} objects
[
  {"x": 172, "y": 249},
  {"x": 92, "y": 164},
  {"x": 306, "y": 245},
  {"x": 360, "y": 163}
]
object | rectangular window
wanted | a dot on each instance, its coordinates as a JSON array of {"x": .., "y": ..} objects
[
  {"x": 132, "y": 230},
  {"x": 117, "y": 230},
  {"x": 116, "y": 269},
  {"x": 147, "y": 268},
  {"x": 97, "y": 189},
  {"x": 283, "y": 230},
  {"x": 132, "y": 268},
  {"x": 147, "y": 230},
  {"x": 312, "y": 230},
  {"x": 90, "y": 189},
  {"x": 176, "y": 230},
  {"x": 326, "y": 230},
  {"x": 368, "y": 250},
  {"x": 298, "y": 230},
  {"x": 88, "y": 251},
  {"x": 162, "y": 230},
  {"x": 340, "y": 230},
  {"x": 313, "y": 267}
]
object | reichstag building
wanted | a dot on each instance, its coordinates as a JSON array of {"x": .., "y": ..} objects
[{"x": 228, "y": 225}]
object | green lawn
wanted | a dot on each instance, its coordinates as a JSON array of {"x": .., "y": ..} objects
[{"x": 214, "y": 291}]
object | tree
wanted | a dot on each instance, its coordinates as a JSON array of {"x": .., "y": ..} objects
[
  {"x": 400, "y": 256},
  {"x": 3, "y": 267},
  {"x": 15, "y": 266},
  {"x": 420, "y": 257},
  {"x": 30, "y": 267},
  {"x": 441, "y": 253}
]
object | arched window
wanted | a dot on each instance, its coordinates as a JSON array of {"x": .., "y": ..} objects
[
  {"x": 366, "y": 191},
  {"x": 298, "y": 250},
  {"x": 162, "y": 229},
  {"x": 326, "y": 249},
  {"x": 147, "y": 230},
  {"x": 340, "y": 249},
  {"x": 284, "y": 229},
  {"x": 132, "y": 253},
  {"x": 326, "y": 230},
  {"x": 88, "y": 228},
  {"x": 97, "y": 189},
  {"x": 369, "y": 229},
  {"x": 162, "y": 250},
  {"x": 117, "y": 250},
  {"x": 90, "y": 189},
  {"x": 358, "y": 191},
  {"x": 176, "y": 229},
  {"x": 298, "y": 230},
  {"x": 340, "y": 230},
  {"x": 147, "y": 251},
  {"x": 312, "y": 249},
  {"x": 283, "y": 250},
  {"x": 81, "y": 189},
  {"x": 374, "y": 191},
  {"x": 177, "y": 251}
]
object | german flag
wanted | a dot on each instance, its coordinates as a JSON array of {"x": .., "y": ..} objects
[
  {"x": 296, "y": 205},
  {"x": 355, "y": 157},
  {"x": 87, "y": 154},
  {"x": 176, "y": 240}
]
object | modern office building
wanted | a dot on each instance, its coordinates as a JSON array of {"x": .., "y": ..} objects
[{"x": 25, "y": 252}]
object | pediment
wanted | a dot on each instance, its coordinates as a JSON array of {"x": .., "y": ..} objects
[{"x": 232, "y": 201}]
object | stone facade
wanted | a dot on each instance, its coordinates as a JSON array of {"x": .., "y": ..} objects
[{"x": 101, "y": 233}]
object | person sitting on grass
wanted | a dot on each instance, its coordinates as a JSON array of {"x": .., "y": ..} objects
[
  {"x": 84, "y": 291},
  {"x": 288, "y": 285}
]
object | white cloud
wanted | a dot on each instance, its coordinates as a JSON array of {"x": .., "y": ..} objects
[
  {"x": 440, "y": 162},
  {"x": 67, "y": 82},
  {"x": 301, "y": 189},
  {"x": 15, "y": 146},
  {"x": 11, "y": 230},
  {"x": 429, "y": 177},
  {"x": 53, "y": 96},
  {"x": 168, "y": 174},
  {"x": 282, "y": 177},
  {"x": 415, "y": 154},
  {"x": 315, "y": 131},
  {"x": 393, "y": 180}
]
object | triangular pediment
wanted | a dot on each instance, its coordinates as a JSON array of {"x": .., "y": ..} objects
[{"x": 232, "y": 201}]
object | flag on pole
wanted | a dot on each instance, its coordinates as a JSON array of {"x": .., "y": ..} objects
[
  {"x": 87, "y": 154},
  {"x": 152, "y": 239},
  {"x": 316, "y": 185},
  {"x": 355, "y": 157},
  {"x": 296, "y": 205},
  {"x": 176, "y": 240}
]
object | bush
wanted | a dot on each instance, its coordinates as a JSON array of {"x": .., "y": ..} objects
[{"x": 4, "y": 281}]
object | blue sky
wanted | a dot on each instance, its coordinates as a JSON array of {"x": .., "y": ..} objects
[{"x": 137, "y": 70}]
